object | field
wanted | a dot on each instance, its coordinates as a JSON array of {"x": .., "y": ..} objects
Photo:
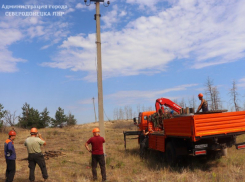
[{"x": 122, "y": 166}]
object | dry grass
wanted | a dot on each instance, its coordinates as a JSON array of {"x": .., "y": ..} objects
[{"x": 122, "y": 166}]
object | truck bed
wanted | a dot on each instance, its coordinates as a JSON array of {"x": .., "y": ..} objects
[{"x": 201, "y": 125}]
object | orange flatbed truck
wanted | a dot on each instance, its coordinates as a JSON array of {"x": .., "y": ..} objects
[{"x": 193, "y": 134}]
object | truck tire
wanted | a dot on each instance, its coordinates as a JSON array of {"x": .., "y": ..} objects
[{"x": 170, "y": 156}]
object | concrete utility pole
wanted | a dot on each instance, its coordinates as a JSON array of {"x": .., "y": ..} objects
[
  {"x": 94, "y": 110},
  {"x": 99, "y": 66}
]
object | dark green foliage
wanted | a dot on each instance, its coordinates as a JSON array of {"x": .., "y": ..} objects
[
  {"x": 60, "y": 118},
  {"x": 32, "y": 118},
  {"x": 45, "y": 119},
  {"x": 2, "y": 113},
  {"x": 70, "y": 119}
]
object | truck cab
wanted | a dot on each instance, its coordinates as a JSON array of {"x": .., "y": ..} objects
[{"x": 142, "y": 119}]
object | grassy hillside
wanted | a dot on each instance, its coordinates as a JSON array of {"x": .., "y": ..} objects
[{"x": 122, "y": 166}]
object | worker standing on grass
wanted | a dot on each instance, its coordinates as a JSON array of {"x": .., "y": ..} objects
[
  {"x": 203, "y": 105},
  {"x": 10, "y": 156},
  {"x": 97, "y": 153},
  {"x": 35, "y": 155}
]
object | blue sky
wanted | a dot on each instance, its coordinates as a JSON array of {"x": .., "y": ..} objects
[{"x": 150, "y": 49}]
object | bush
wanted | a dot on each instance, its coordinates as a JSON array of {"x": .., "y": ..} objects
[{"x": 2, "y": 113}]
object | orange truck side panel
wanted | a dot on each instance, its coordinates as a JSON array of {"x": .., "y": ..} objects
[
  {"x": 157, "y": 142},
  {"x": 152, "y": 142},
  {"x": 219, "y": 123},
  {"x": 181, "y": 126},
  {"x": 160, "y": 143},
  {"x": 205, "y": 124}
]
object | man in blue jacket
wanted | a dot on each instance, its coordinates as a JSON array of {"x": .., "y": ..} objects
[{"x": 10, "y": 156}]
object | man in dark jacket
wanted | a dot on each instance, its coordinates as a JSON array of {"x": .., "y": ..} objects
[
  {"x": 97, "y": 153},
  {"x": 10, "y": 156}
]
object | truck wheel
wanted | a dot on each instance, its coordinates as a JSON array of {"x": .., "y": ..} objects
[
  {"x": 171, "y": 157},
  {"x": 224, "y": 152}
]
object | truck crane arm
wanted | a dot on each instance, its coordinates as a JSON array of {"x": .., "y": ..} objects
[{"x": 166, "y": 102}]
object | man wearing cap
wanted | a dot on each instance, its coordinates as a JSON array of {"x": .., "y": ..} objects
[
  {"x": 10, "y": 156},
  {"x": 203, "y": 105},
  {"x": 97, "y": 153},
  {"x": 35, "y": 155}
]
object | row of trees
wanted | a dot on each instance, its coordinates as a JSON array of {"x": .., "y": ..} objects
[
  {"x": 211, "y": 93},
  {"x": 127, "y": 112},
  {"x": 215, "y": 102},
  {"x": 31, "y": 117}
]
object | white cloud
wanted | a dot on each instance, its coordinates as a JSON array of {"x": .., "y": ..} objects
[
  {"x": 241, "y": 83},
  {"x": 8, "y": 62},
  {"x": 8, "y": 36},
  {"x": 14, "y": 29},
  {"x": 137, "y": 96},
  {"x": 110, "y": 18},
  {"x": 123, "y": 13},
  {"x": 88, "y": 101},
  {"x": 69, "y": 10},
  {"x": 84, "y": 7},
  {"x": 54, "y": 33},
  {"x": 114, "y": 17},
  {"x": 145, "y": 3},
  {"x": 36, "y": 31},
  {"x": 204, "y": 32}
]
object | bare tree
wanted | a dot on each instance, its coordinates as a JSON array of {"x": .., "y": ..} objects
[
  {"x": 176, "y": 101},
  {"x": 209, "y": 92},
  {"x": 182, "y": 103},
  {"x": 121, "y": 114},
  {"x": 216, "y": 99},
  {"x": 116, "y": 114},
  {"x": 135, "y": 114},
  {"x": 192, "y": 102},
  {"x": 10, "y": 118},
  {"x": 234, "y": 95},
  {"x": 126, "y": 112},
  {"x": 138, "y": 108},
  {"x": 130, "y": 110},
  {"x": 143, "y": 108},
  {"x": 212, "y": 95},
  {"x": 149, "y": 108}
]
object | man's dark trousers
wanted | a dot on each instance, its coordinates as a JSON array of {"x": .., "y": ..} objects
[
  {"x": 34, "y": 159},
  {"x": 10, "y": 170},
  {"x": 101, "y": 160}
]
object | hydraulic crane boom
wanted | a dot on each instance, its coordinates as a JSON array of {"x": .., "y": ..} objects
[{"x": 166, "y": 102}]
